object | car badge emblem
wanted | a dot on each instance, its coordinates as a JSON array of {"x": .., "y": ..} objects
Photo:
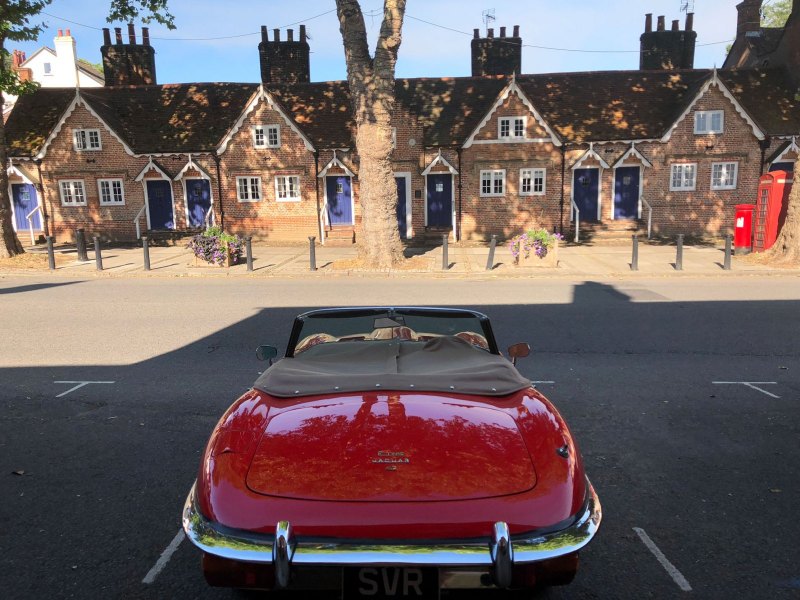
[{"x": 390, "y": 459}]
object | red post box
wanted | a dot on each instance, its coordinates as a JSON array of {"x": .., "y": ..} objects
[
  {"x": 743, "y": 232},
  {"x": 771, "y": 206}
]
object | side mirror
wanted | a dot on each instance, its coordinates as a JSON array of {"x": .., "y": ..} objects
[
  {"x": 266, "y": 353},
  {"x": 520, "y": 350}
]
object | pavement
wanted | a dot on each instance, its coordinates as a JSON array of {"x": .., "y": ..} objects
[{"x": 573, "y": 260}]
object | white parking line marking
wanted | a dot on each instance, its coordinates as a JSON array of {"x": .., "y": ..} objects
[
  {"x": 676, "y": 575},
  {"x": 750, "y": 384},
  {"x": 164, "y": 558},
  {"x": 542, "y": 381},
  {"x": 79, "y": 386}
]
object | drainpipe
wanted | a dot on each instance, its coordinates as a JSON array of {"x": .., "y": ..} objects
[
  {"x": 458, "y": 217},
  {"x": 316, "y": 191},
  {"x": 216, "y": 158},
  {"x": 765, "y": 144},
  {"x": 42, "y": 189},
  {"x": 563, "y": 184}
]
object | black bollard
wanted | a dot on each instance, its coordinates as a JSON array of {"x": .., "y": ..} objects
[
  {"x": 249, "y": 249},
  {"x": 635, "y": 255},
  {"x": 51, "y": 255},
  {"x": 98, "y": 257},
  {"x": 445, "y": 259},
  {"x": 312, "y": 252},
  {"x": 80, "y": 243},
  {"x": 679, "y": 254},
  {"x": 146, "y": 250},
  {"x": 490, "y": 260},
  {"x": 727, "y": 265}
]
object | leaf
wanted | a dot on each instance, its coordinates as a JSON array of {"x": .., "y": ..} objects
[{"x": 20, "y": 472}]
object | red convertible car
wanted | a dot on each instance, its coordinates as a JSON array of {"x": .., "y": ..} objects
[{"x": 393, "y": 452}]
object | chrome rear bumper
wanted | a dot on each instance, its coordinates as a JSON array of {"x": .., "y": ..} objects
[{"x": 498, "y": 551}]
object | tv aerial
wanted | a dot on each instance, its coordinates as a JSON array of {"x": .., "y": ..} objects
[
  {"x": 687, "y": 6},
  {"x": 488, "y": 17}
]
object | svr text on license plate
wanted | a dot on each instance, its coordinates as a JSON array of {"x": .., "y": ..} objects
[{"x": 391, "y": 582}]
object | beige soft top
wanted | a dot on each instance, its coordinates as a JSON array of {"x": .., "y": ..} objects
[{"x": 443, "y": 364}]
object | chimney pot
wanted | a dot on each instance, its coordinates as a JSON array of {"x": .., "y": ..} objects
[
  {"x": 106, "y": 36},
  {"x": 277, "y": 34},
  {"x": 302, "y": 33},
  {"x": 68, "y": 34},
  {"x": 60, "y": 33},
  {"x": 676, "y": 25},
  {"x": 289, "y": 35},
  {"x": 490, "y": 32},
  {"x": 264, "y": 34},
  {"x": 118, "y": 34},
  {"x": 661, "y": 23},
  {"x": 131, "y": 34},
  {"x": 648, "y": 23},
  {"x": 689, "y": 21},
  {"x": 476, "y": 33},
  {"x": 516, "y": 30},
  {"x": 502, "y": 32},
  {"x": 146, "y": 36}
]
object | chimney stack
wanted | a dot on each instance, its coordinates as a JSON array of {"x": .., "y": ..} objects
[
  {"x": 284, "y": 61},
  {"x": 131, "y": 63},
  {"x": 496, "y": 56},
  {"x": 66, "y": 63},
  {"x": 662, "y": 49},
  {"x": 749, "y": 17}
]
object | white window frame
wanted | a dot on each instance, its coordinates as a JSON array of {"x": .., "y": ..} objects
[
  {"x": 110, "y": 181},
  {"x": 684, "y": 185},
  {"x": 534, "y": 174},
  {"x": 82, "y": 140},
  {"x": 494, "y": 175},
  {"x": 724, "y": 186},
  {"x": 249, "y": 192},
  {"x": 68, "y": 191},
  {"x": 287, "y": 188},
  {"x": 704, "y": 122},
  {"x": 511, "y": 122},
  {"x": 265, "y": 134}
]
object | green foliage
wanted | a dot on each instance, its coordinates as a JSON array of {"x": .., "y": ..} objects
[
  {"x": 146, "y": 10},
  {"x": 776, "y": 13},
  {"x": 96, "y": 66}
]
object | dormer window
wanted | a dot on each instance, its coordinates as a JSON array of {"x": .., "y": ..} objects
[
  {"x": 709, "y": 121},
  {"x": 267, "y": 136},
  {"x": 86, "y": 139},
  {"x": 510, "y": 128}
]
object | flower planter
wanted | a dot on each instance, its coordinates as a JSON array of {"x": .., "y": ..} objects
[
  {"x": 549, "y": 260},
  {"x": 214, "y": 247}
]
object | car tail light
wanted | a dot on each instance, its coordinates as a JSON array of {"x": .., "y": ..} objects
[{"x": 223, "y": 572}]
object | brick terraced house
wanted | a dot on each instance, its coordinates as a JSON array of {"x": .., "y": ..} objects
[{"x": 495, "y": 153}]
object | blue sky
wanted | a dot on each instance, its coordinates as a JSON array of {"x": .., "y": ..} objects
[{"x": 427, "y": 50}]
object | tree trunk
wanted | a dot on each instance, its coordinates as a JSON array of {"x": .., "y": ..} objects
[
  {"x": 10, "y": 245},
  {"x": 371, "y": 84},
  {"x": 787, "y": 247}
]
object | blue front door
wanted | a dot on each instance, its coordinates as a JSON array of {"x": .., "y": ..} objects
[
  {"x": 159, "y": 204},
  {"x": 626, "y": 193},
  {"x": 340, "y": 202},
  {"x": 198, "y": 201},
  {"x": 25, "y": 201},
  {"x": 401, "y": 207},
  {"x": 782, "y": 166},
  {"x": 440, "y": 200},
  {"x": 585, "y": 185}
]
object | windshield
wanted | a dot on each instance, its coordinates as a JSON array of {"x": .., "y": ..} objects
[{"x": 376, "y": 324}]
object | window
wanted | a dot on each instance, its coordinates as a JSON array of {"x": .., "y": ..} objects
[
  {"x": 86, "y": 139},
  {"x": 287, "y": 188},
  {"x": 723, "y": 176},
  {"x": 72, "y": 192},
  {"x": 248, "y": 189},
  {"x": 47, "y": 69},
  {"x": 493, "y": 183},
  {"x": 709, "y": 121},
  {"x": 511, "y": 127},
  {"x": 267, "y": 136},
  {"x": 531, "y": 182},
  {"x": 111, "y": 191},
  {"x": 394, "y": 138},
  {"x": 683, "y": 177}
]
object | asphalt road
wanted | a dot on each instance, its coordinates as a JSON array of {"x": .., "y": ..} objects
[{"x": 92, "y": 481}]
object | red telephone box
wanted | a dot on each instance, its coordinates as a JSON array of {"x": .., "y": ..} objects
[{"x": 771, "y": 206}]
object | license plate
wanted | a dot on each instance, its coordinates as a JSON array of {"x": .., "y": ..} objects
[{"x": 391, "y": 582}]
